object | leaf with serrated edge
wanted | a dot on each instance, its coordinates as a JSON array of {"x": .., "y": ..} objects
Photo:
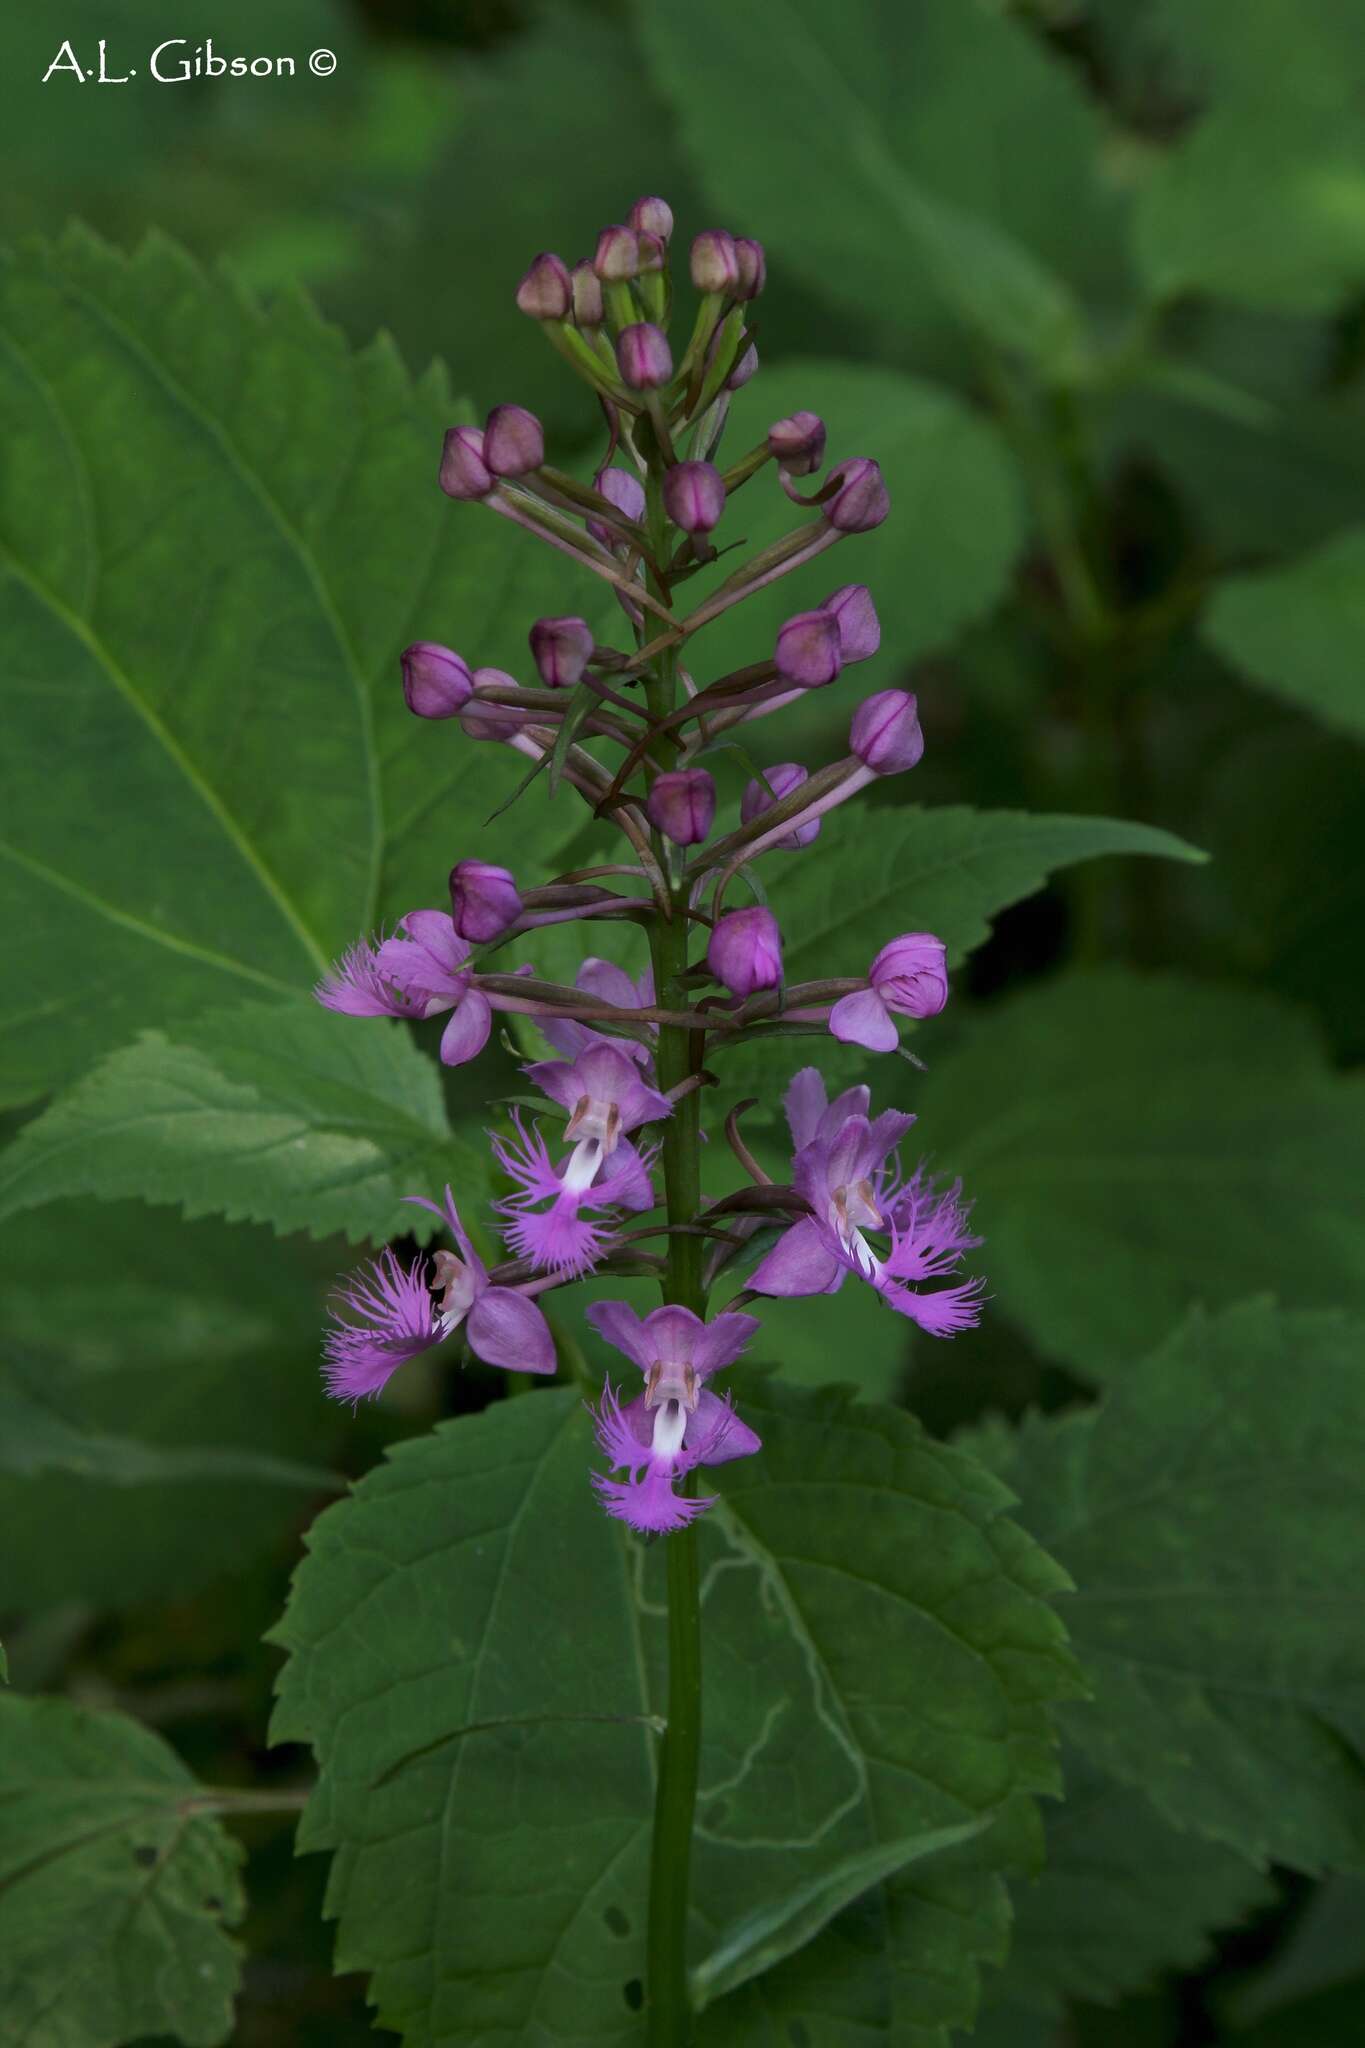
[
  {"x": 1210, "y": 1510},
  {"x": 284, "y": 1115},
  {"x": 850, "y": 1532},
  {"x": 114, "y": 1891},
  {"x": 1139, "y": 1142}
]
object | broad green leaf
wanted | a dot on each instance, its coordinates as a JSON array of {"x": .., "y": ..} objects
[
  {"x": 851, "y": 1533},
  {"x": 290, "y": 1116},
  {"x": 1122, "y": 1898},
  {"x": 116, "y": 1886},
  {"x": 875, "y": 872},
  {"x": 1136, "y": 1143},
  {"x": 941, "y": 559},
  {"x": 1210, "y": 1511},
  {"x": 219, "y": 529},
  {"x": 35, "y": 1437},
  {"x": 177, "y": 1370},
  {"x": 1300, "y": 631},
  {"x": 1263, "y": 200},
  {"x": 868, "y": 174}
]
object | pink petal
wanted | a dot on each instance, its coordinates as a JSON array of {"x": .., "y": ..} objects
[
  {"x": 724, "y": 1338},
  {"x": 619, "y": 1324},
  {"x": 798, "y": 1264},
  {"x": 863, "y": 1019},
  {"x": 715, "y": 1434},
  {"x": 466, "y": 1035},
  {"x": 508, "y": 1330}
]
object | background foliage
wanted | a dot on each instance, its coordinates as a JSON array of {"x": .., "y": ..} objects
[{"x": 1089, "y": 277}]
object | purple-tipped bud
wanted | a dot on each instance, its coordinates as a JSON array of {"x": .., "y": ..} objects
[
  {"x": 513, "y": 441},
  {"x": 694, "y": 496},
  {"x": 623, "y": 490},
  {"x": 860, "y": 632},
  {"x": 714, "y": 264},
  {"x": 653, "y": 253},
  {"x": 643, "y": 356},
  {"x": 808, "y": 650},
  {"x": 745, "y": 952},
  {"x": 652, "y": 216},
  {"x": 617, "y": 258},
  {"x": 798, "y": 443},
  {"x": 682, "y": 804},
  {"x": 753, "y": 267},
  {"x": 782, "y": 780},
  {"x": 435, "y": 680},
  {"x": 561, "y": 649},
  {"x": 885, "y": 733},
  {"x": 464, "y": 473},
  {"x": 862, "y": 500},
  {"x": 588, "y": 309},
  {"x": 910, "y": 974},
  {"x": 492, "y": 721},
  {"x": 545, "y": 292},
  {"x": 484, "y": 900},
  {"x": 744, "y": 369}
]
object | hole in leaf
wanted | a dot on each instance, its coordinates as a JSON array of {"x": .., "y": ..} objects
[
  {"x": 144, "y": 1856},
  {"x": 634, "y": 1994},
  {"x": 616, "y": 1920}
]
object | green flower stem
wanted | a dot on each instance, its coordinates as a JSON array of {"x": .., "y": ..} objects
[{"x": 668, "y": 2007}]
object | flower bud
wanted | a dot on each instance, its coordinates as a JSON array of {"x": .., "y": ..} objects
[
  {"x": 808, "y": 650},
  {"x": 753, "y": 267},
  {"x": 694, "y": 496},
  {"x": 653, "y": 254},
  {"x": 484, "y": 900},
  {"x": 561, "y": 650},
  {"x": 464, "y": 473},
  {"x": 513, "y": 441},
  {"x": 682, "y": 804},
  {"x": 798, "y": 443},
  {"x": 652, "y": 216},
  {"x": 715, "y": 266},
  {"x": 862, "y": 500},
  {"x": 435, "y": 680},
  {"x": 588, "y": 309},
  {"x": 860, "y": 632},
  {"x": 910, "y": 974},
  {"x": 782, "y": 780},
  {"x": 545, "y": 292},
  {"x": 745, "y": 368},
  {"x": 617, "y": 259},
  {"x": 623, "y": 490},
  {"x": 492, "y": 721},
  {"x": 885, "y": 733},
  {"x": 643, "y": 356},
  {"x": 745, "y": 951}
]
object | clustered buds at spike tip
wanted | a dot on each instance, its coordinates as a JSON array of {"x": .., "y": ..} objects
[
  {"x": 561, "y": 649},
  {"x": 781, "y": 781},
  {"x": 694, "y": 496},
  {"x": 545, "y": 293},
  {"x": 436, "y": 683},
  {"x": 643, "y": 356},
  {"x": 797, "y": 445},
  {"x": 484, "y": 900},
  {"x": 714, "y": 261},
  {"x": 682, "y": 805},
  {"x": 885, "y": 733},
  {"x": 745, "y": 951},
  {"x": 513, "y": 441},
  {"x": 625, "y": 727},
  {"x": 809, "y": 650},
  {"x": 464, "y": 473}
]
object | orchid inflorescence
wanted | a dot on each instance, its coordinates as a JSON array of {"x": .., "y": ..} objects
[{"x": 631, "y": 1054}]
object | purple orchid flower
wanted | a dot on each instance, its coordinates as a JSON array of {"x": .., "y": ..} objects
[
  {"x": 388, "y": 1314},
  {"x": 676, "y": 1422},
  {"x": 909, "y": 977},
  {"x": 609, "y": 984},
  {"x": 607, "y": 1097},
  {"x": 843, "y": 1168},
  {"x": 419, "y": 972}
]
